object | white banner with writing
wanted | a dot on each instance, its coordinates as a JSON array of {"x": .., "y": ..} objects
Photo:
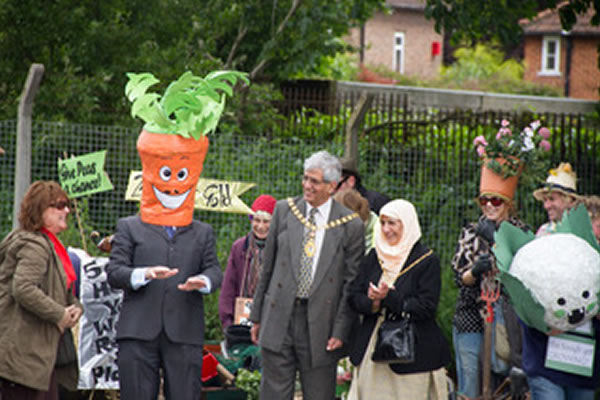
[{"x": 97, "y": 326}]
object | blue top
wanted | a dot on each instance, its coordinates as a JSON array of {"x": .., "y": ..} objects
[{"x": 534, "y": 356}]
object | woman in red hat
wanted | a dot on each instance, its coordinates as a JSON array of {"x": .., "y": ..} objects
[{"x": 245, "y": 260}]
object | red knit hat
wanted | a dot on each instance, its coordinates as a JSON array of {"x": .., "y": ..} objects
[{"x": 265, "y": 203}]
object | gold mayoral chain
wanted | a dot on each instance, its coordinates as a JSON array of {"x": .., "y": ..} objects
[{"x": 309, "y": 247}]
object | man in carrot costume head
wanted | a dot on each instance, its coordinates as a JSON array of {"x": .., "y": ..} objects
[{"x": 163, "y": 260}]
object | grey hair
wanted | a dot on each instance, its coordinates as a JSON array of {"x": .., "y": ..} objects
[{"x": 328, "y": 164}]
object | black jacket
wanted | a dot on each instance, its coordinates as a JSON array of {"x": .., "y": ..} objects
[{"x": 416, "y": 292}]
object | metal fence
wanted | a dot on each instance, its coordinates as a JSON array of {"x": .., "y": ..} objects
[{"x": 425, "y": 156}]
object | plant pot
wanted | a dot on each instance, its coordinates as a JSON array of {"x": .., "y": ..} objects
[
  {"x": 492, "y": 183},
  {"x": 171, "y": 167}
]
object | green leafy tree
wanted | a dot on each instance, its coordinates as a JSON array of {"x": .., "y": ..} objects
[
  {"x": 475, "y": 20},
  {"x": 88, "y": 46}
]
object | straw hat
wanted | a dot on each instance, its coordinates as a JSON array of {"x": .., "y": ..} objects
[{"x": 561, "y": 179}]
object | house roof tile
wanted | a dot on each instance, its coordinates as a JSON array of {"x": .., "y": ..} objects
[{"x": 548, "y": 22}]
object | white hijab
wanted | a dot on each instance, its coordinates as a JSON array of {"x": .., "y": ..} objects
[{"x": 392, "y": 258}]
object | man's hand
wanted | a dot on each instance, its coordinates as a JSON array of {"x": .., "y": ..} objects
[
  {"x": 192, "y": 283},
  {"x": 70, "y": 317},
  {"x": 334, "y": 344},
  {"x": 254, "y": 332},
  {"x": 160, "y": 272}
]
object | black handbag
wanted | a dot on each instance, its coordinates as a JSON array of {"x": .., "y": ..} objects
[
  {"x": 66, "y": 349},
  {"x": 395, "y": 341}
]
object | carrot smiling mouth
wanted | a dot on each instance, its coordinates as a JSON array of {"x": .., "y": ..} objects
[{"x": 170, "y": 201}]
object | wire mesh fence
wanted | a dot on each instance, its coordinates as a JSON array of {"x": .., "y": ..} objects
[{"x": 424, "y": 156}]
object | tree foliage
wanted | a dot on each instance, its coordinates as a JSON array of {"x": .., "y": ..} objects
[
  {"x": 88, "y": 46},
  {"x": 474, "y": 20}
]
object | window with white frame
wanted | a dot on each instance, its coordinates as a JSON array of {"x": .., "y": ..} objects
[
  {"x": 550, "y": 55},
  {"x": 398, "y": 63}
]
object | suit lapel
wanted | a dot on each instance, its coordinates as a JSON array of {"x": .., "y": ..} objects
[
  {"x": 296, "y": 232},
  {"x": 330, "y": 243}
]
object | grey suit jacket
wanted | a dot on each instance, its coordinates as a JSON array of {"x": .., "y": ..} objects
[
  {"x": 329, "y": 314},
  {"x": 160, "y": 304}
]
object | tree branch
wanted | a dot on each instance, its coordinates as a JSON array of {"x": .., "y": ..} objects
[
  {"x": 261, "y": 65},
  {"x": 240, "y": 36}
]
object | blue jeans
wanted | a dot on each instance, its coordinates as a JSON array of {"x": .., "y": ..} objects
[
  {"x": 467, "y": 347},
  {"x": 544, "y": 389}
]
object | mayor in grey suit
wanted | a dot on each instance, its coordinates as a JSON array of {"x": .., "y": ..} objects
[
  {"x": 164, "y": 273},
  {"x": 305, "y": 325}
]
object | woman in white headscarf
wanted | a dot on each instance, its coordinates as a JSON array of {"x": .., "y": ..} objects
[{"x": 400, "y": 275}]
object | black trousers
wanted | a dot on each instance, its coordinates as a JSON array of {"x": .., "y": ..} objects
[{"x": 140, "y": 363}]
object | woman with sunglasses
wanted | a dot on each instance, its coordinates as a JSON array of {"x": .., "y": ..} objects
[
  {"x": 474, "y": 269},
  {"x": 37, "y": 304}
]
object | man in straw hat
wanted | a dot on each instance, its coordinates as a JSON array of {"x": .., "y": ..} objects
[{"x": 559, "y": 194}]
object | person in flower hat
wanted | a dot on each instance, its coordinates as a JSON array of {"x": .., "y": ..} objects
[
  {"x": 558, "y": 194},
  {"x": 474, "y": 267}
]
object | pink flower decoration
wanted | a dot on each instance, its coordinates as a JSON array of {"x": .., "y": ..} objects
[
  {"x": 544, "y": 132},
  {"x": 505, "y": 123},
  {"x": 545, "y": 145},
  {"x": 481, "y": 150},
  {"x": 480, "y": 140}
]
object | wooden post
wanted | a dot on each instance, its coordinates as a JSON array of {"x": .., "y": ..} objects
[
  {"x": 23, "y": 156},
  {"x": 354, "y": 123}
]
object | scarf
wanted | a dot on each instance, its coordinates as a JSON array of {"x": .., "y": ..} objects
[
  {"x": 60, "y": 250},
  {"x": 393, "y": 257},
  {"x": 252, "y": 265}
]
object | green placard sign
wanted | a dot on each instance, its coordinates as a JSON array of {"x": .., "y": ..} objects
[{"x": 84, "y": 175}]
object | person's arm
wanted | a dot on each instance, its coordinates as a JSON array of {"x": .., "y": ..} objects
[
  {"x": 229, "y": 290},
  {"x": 354, "y": 250},
  {"x": 359, "y": 288},
  {"x": 210, "y": 275},
  {"x": 30, "y": 275}
]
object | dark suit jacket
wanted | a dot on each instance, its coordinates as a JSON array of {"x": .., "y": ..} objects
[
  {"x": 416, "y": 292},
  {"x": 328, "y": 312},
  {"x": 160, "y": 304}
]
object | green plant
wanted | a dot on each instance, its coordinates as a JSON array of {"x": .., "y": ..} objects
[
  {"x": 191, "y": 106},
  {"x": 249, "y": 382},
  {"x": 509, "y": 154}
]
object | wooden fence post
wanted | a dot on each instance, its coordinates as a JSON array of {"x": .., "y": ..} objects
[
  {"x": 354, "y": 123},
  {"x": 23, "y": 152}
]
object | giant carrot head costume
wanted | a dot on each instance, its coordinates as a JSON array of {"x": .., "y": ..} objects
[{"x": 172, "y": 144}]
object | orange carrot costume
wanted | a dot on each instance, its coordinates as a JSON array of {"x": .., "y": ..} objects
[{"x": 173, "y": 145}]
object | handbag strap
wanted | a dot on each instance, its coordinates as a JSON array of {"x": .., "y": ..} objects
[
  {"x": 405, "y": 270},
  {"x": 413, "y": 264}
]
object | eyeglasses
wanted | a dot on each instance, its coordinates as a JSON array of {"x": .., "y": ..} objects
[
  {"x": 494, "y": 201},
  {"x": 311, "y": 180},
  {"x": 61, "y": 205}
]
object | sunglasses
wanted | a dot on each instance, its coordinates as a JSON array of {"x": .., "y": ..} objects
[
  {"x": 494, "y": 201},
  {"x": 61, "y": 205}
]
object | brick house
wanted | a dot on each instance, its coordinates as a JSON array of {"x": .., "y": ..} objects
[
  {"x": 401, "y": 39},
  {"x": 568, "y": 60}
]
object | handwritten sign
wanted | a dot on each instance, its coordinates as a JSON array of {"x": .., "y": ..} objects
[
  {"x": 97, "y": 326},
  {"x": 84, "y": 175},
  {"x": 211, "y": 194},
  {"x": 571, "y": 353}
]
